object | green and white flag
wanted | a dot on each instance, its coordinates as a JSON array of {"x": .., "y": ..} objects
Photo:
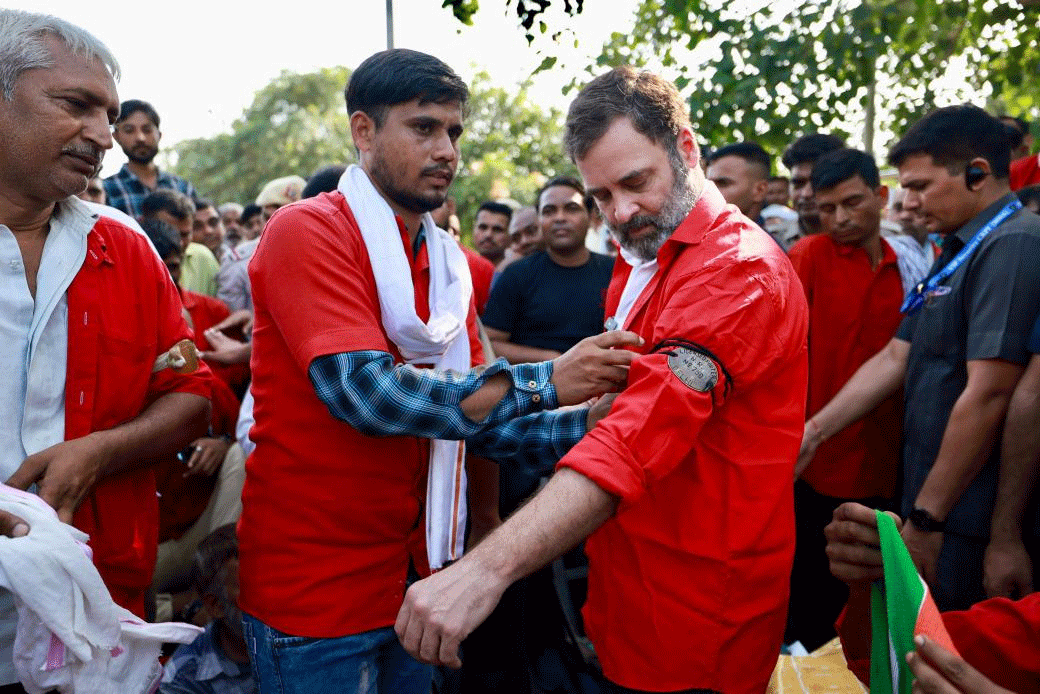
[{"x": 901, "y": 607}]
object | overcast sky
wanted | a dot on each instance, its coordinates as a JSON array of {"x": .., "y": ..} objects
[{"x": 200, "y": 63}]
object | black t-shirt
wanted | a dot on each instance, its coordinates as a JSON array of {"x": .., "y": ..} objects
[
  {"x": 543, "y": 305},
  {"x": 984, "y": 310}
]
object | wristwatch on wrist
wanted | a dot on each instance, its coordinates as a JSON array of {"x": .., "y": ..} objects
[{"x": 925, "y": 521}]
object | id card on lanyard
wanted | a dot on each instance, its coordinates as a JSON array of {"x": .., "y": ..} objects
[{"x": 916, "y": 298}]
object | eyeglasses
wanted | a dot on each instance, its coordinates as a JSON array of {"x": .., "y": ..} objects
[{"x": 211, "y": 222}]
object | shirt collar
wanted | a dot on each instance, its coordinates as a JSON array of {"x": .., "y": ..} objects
[{"x": 966, "y": 232}]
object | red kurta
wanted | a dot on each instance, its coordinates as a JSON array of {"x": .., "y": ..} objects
[
  {"x": 688, "y": 581},
  {"x": 329, "y": 514},
  {"x": 123, "y": 312},
  {"x": 853, "y": 313}
]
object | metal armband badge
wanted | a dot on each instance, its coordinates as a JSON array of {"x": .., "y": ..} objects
[{"x": 696, "y": 370}]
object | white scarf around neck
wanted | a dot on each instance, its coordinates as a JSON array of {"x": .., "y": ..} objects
[{"x": 442, "y": 340}]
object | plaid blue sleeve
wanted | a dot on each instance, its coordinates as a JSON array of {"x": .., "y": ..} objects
[
  {"x": 535, "y": 442},
  {"x": 378, "y": 398}
]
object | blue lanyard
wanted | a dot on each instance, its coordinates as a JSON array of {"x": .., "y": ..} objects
[{"x": 915, "y": 299}]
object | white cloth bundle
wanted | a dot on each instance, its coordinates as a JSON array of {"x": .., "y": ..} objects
[
  {"x": 443, "y": 340},
  {"x": 71, "y": 636}
]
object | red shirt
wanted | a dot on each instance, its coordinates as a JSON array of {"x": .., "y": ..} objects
[
  {"x": 123, "y": 311},
  {"x": 482, "y": 271},
  {"x": 1025, "y": 172},
  {"x": 183, "y": 499},
  {"x": 853, "y": 313},
  {"x": 329, "y": 515},
  {"x": 998, "y": 637},
  {"x": 688, "y": 581}
]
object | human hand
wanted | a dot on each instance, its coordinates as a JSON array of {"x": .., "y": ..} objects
[
  {"x": 442, "y": 610},
  {"x": 937, "y": 671},
  {"x": 600, "y": 409},
  {"x": 12, "y": 526},
  {"x": 208, "y": 455},
  {"x": 854, "y": 545},
  {"x": 225, "y": 350},
  {"x": 64, "y": 473},
  {"x": 812, "y": 437},
  {"x": 924, "y": 550},
  {"x": 1007, "y": 570},
  {"x": 242, "y": 318},
  {"x": 592, "y": 367}
]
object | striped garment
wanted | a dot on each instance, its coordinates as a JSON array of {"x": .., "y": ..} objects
[{"x": 901, "y": 608}]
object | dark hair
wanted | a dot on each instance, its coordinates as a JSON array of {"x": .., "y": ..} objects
[
  {"x": 324, "y": 180},
  {"x": 955, "y": 135},
  {"x": 840, "y": 165},
  {"x": 808, "y": 148},
  {"x": 249, "y": 211},
  {"x": 569, "y": 182},
  {"x": 399, "y": 75},
  {"x": 782, "y": 179},
  {"x": 132, "y": 106},
  {"x": 212, "y": 554},
  {"x": 1021, "y": 125},
  {"x": 1029, "y": 194},
  {"x": 175, "y": 202},
  {"x": 497, "y": 208},
  {"x": 651, "y": 102},
  {"x": 751, "y": 152},
  {"x": 203, "y": 203},
  {"x": 164, "y": 237}
]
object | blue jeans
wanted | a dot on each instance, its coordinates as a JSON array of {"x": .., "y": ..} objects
[{"x": 369, "y": 663}]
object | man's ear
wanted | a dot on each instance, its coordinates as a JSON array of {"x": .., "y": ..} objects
[
  {"x": 759, "y": 190},
  {"x": 362, "y": 130},
  {"x": 688, "y": 148},
  {"x": 882, "y": 192}
]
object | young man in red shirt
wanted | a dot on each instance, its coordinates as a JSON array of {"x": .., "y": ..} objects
[
  {"x": 684, "y": 489},
  {"x": 357, "y": 293},
  {"x": 851, "y": 279}
]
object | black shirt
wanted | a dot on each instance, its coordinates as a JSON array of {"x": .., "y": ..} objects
[
  {"x": 987, "y": 313},
  {"x": 548, "y": 306}
]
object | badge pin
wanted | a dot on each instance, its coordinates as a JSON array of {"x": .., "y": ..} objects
[{"x": 694, "y": 369}]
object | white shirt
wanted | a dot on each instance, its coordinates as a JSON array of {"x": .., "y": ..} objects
[{"x": 34, "y": 340}]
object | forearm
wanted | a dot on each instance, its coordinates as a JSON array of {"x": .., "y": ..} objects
[
  {"x": 366, "y": 390},
  {"x": 967, "y": 442},
  {"x": 566, "y": 511},
  {"x": 877, "y": 379},
  {"x": 535, "y": 442},
  {"x": 1019, "y": 460},
  {"x": 519, "y": 354},
  {"x": 163, "y": 428}
]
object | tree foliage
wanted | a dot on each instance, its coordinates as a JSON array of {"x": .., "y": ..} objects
[
  {"x": 771, "y": 71},
  {"x": 509, "y": 148},
  {"x": 296, "y": 124},
  {"x": 528, "y": 12}
]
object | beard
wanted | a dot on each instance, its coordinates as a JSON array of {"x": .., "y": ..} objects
[
  {"x": 411, "y": 200},
  {"x": 142, "y": 154},
  {"x": 677, "y": 207}
]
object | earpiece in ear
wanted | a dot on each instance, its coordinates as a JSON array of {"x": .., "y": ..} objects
[{"x": 973, "y": 175}]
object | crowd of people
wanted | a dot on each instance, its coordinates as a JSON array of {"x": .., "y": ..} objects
[{"x": 631, "y": 440}]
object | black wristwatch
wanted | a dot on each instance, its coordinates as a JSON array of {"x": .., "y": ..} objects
[{"x": 925, "y": 521}]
